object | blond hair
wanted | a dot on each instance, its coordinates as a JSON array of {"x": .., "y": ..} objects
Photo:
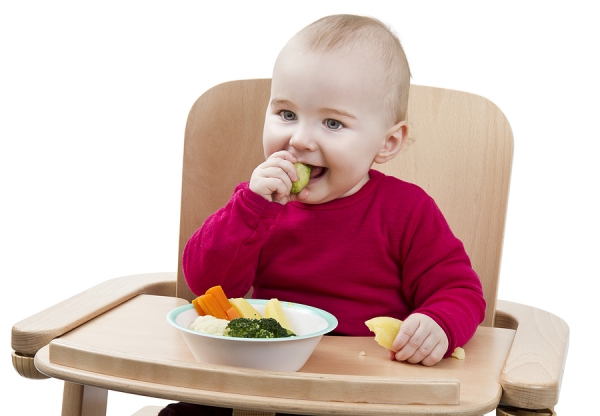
[{"x": 344, "y": 30}]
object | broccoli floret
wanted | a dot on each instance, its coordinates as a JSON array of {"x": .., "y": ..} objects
[
  {"x": 256, "y": 328},
  {"x": 273, "y": 326}
]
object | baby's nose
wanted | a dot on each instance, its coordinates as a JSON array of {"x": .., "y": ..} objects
[{"x": 303, "y": 139}]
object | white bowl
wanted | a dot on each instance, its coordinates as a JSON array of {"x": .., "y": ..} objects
[{"x": 275, "y": 354}]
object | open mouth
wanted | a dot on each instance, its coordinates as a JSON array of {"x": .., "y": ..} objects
[{"x": 317, "y": 172}]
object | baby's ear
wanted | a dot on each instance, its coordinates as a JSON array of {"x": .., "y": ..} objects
[{"x": 393, "y": 144}]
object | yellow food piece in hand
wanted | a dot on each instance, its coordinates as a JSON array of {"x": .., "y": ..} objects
[
  {"x": 244, "y": 308},
  {"x": 459, "y": 353},
  {"x": 274, "y": 310},
  {"x": 303, "y": 172},
  {"x": 385, "y": 330}
]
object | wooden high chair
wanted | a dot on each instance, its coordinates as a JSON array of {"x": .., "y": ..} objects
[{"x": 459, "y": 150}]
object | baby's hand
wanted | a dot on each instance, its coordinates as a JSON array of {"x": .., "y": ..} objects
[
  {"x": 420, "y": 340},
  {"x": 273, "y": 178}
]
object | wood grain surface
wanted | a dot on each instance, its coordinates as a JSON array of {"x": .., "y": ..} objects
[
  {"x": 533, "y": 371},
  {"x": 132, "y": 348},
  {"x": 32, "y": 333}
]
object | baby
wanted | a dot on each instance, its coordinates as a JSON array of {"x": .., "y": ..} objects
[{"x": 354, "y": 241}]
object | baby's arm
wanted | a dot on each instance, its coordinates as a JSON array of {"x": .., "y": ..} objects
[
  {"x": 439, "y": 282},
  {"x": 273, "y": 178},
  {"x": 226, "y": 249},
  {"x": 420, "y": 340}
]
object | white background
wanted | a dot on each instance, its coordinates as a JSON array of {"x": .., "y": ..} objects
[{"x": 93, "y": 104}]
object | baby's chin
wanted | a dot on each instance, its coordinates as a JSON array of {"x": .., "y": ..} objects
[{"x": 317, "y": 196}]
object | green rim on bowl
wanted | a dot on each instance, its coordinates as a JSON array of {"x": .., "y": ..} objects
[{"x": 331, "y": 320}]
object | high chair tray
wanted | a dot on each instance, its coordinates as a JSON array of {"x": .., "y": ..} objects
[{"x": 132, "y": 348}]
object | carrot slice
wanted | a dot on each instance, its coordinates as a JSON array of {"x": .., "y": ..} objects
[
  {"x": 219, "y": 295},
  {"x": 232, "y": 313},
  {"x": 210, "y": 305},
  {"x": 198, "y": 307},
  {"x": 204, "y": 305}
]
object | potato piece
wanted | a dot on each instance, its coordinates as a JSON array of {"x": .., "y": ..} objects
[
  {"x": 459, "y": 353},
  {"x": 274, "y": 310},
  {"x": 385, "y": 330},
  {"x": 244, "y": 308}
]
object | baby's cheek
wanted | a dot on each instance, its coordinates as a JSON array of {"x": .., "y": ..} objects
[{"x": 275, "y": 138}]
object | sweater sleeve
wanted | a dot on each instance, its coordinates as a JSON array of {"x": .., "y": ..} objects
[
  {"x": 225, "y": 249},
  {"x": 438, "y": 279}
]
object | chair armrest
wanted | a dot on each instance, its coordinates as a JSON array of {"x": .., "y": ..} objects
[
  {"x": 31, "y": 334},
  {"x": 532, "y": 374}
]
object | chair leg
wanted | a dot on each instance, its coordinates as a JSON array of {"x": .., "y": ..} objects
[{"x": 80, "y": 400}]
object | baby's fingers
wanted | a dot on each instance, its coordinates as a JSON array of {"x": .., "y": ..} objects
[
  {"x": 408, "y": 342},
  {"x": 285, "y": 161},
  {"x": 301, "y": 196},
  {"x": 276, "y": 186},
  {"x": 435, "y": 356},
  {"x": 420, "y": 340},
  {"x": 271, "y": 179},
  {"x": 407, "y": 331},
  {"x": 427, "y": 353}
]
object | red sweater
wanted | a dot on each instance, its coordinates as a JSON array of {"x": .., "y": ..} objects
[{"x": 384, "y": 251}]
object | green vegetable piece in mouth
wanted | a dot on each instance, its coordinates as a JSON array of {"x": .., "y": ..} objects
[{"x": 303, "y": 172}]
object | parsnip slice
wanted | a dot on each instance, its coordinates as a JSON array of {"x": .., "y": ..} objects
[
  {"x": 274, "y": 310},
  {"x": 244, "y": 308}
]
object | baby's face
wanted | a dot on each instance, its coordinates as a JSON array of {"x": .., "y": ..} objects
[{"x": 326, "y": 108}]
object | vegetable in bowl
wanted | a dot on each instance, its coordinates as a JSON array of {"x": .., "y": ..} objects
[
  {"x": 218, "y": 315},
  {"x": 274, "y": 354},
  {"x": 257, "y": 328}
]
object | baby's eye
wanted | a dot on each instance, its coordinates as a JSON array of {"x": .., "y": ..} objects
[
  {"x": 287, "y": 115},
  {"x": 332, "y": 124}
]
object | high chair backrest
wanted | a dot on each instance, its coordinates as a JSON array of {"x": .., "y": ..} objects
[{"x": 459, "y": 150}]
